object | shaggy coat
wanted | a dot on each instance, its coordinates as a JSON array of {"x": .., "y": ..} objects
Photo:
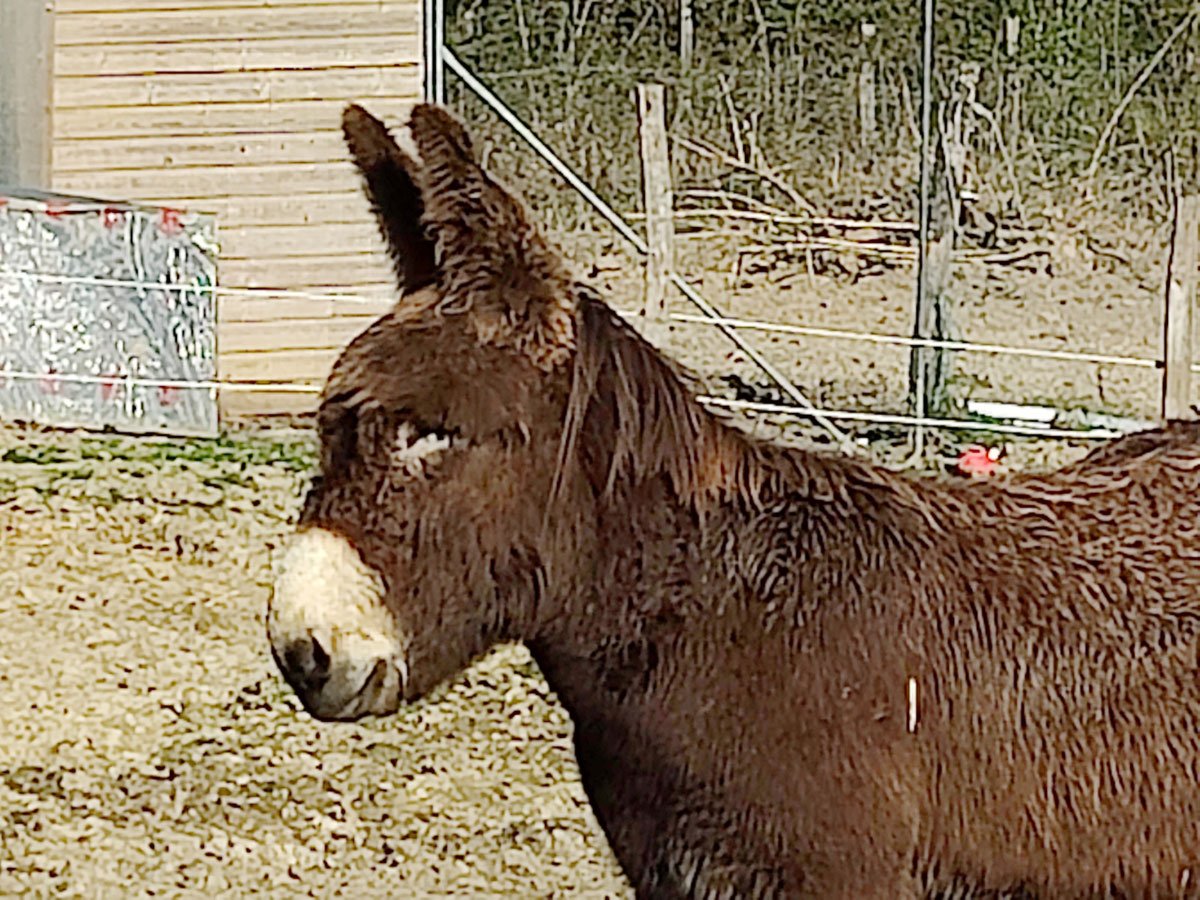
[{"x": 790, "y": 673}]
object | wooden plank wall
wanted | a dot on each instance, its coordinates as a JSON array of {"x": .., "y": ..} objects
[{"x": 233, "y": 107}]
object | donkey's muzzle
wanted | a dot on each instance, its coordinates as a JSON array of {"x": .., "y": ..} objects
[
  {"x": 332, "y": 690},
  {"x": 331, "y": 634}
]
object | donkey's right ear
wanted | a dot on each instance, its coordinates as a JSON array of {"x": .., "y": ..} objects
[{"x": 389, "y": 181}]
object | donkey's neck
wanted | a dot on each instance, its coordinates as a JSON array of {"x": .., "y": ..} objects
[
  {"x": 762, "y": 549},
  {"x": 689, "y": 627}
]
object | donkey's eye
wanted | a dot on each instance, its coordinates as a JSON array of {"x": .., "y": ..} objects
[{"x": 414, "y": 449}]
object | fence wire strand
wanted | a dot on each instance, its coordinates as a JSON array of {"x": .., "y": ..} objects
[
  {"x": 873, "y": 418},
  {"x": 215, "y": 289},
  {"x": 798, "y": 329}
]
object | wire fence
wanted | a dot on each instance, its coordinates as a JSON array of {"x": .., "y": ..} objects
[
  {"x": 795, "y": 330},
  {"x": 795, "y": 124},
  {"x": 734, "y": 328}
]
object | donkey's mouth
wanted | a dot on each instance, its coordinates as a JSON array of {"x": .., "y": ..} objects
[
  {"x": 332, "y": 635},
  {"x": 380, "y": 695}
]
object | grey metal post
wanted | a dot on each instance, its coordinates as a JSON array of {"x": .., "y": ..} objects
[{"x": 433, "y": 22}]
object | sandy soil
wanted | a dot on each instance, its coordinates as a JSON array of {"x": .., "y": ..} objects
[{"x": 147, "y": 747}]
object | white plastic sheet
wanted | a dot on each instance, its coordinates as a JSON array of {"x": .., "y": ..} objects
[{"x": 113, "y": 292}]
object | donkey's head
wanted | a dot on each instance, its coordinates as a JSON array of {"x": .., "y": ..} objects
[{"x": 428, "y": 535}]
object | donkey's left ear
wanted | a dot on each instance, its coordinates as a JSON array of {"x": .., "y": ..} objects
[{"x": 491, "y": 258}]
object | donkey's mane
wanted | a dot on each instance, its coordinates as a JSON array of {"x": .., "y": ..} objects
[{"x": 632, "y": 415}]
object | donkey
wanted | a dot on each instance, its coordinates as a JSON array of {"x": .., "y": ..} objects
[{"x": 791, "y": 673}]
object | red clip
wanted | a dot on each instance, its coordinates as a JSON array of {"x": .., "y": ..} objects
[
  {"x": 168, "y": 394},
  {"x": 108, "y": 387},
  {"x": 111, "y": 217},
  {"x": 980, "y": 461},
  {"x": 170, "y": 221}
]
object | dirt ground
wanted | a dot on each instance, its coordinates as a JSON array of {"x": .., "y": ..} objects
[{"x": 148, "y": 748}]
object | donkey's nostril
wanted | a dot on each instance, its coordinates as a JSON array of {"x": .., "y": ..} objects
[
  {"x": 345, "y": 688},
  {"x": 320, "y": 657},
  {"x": 306, "y": 664}
]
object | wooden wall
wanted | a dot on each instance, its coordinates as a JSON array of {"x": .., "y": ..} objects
[{"x": 233, "y": 107}]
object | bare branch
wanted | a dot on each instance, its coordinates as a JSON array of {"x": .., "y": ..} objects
[{"x": 1143, "y": 77}]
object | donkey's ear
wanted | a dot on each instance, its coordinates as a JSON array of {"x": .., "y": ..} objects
[
  {"x": 491, "y": 258},
  {"x": 390, "y": 183}
]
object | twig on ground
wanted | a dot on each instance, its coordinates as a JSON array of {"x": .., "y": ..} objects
[
  {"x": 700, "y": 149},
  {"x": 727, "y": 93}
]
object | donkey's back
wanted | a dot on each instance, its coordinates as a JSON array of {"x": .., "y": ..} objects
[
  {"x": 1059, "y": 733},
  {"x": 920, "y": 686}
]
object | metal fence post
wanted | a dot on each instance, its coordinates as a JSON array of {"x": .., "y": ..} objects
[{"x": 433, "y": 24}]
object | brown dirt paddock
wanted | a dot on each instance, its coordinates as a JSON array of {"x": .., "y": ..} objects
[{"x": 147, "y": 746}]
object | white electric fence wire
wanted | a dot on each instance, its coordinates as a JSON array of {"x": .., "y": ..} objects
[
  {"x": 116, "y": 382},
  {"x": 215, "y": 290},
  {"x": 913, "y": 421},
  {"x": 796, "y": 329}
]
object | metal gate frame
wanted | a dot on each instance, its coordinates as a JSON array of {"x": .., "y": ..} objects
[{"x": 437, "y": 58}]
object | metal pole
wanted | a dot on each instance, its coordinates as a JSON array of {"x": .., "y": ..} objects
[
  {"x": 923, "y": 217},
  {"x": 439, "y": 24},
  {"x": 433, "y": 21}
]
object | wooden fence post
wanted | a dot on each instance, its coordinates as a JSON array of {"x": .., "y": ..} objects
[
  {"x": 866, "y": 86},
  {"x": 1012, "y": 43},
  {"x": 687, "y": 34},
  {"x": 1180, "y": 300},
  {"x": 659, "y": 203}
]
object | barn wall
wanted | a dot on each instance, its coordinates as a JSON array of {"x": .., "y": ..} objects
[{"x": 233, "y": 107}]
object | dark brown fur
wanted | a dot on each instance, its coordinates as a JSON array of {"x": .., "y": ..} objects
[{"x": 733, "y": 625}]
